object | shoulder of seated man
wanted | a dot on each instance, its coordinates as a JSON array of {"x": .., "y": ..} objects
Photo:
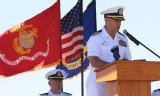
[
  {"x": 43, "y": 94},
  {"x": 68, "y": 94},
  {"x": 157, "y": 90}
]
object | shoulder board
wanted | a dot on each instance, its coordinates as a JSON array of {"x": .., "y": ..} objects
[
  {"x": 67, "y": 93},
  {"x": 44, "y": 94},
  {"x": 156, "y": 90},
  {"x": 95, "y": 33},
  {"x": 121, "y": 34}
]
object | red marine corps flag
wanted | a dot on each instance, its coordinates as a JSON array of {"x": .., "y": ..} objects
[{"x": 32, "y": 44}]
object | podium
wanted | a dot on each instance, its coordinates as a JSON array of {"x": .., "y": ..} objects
[{"x": 129, "y": 78}]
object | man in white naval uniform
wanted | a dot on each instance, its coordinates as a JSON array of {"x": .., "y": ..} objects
[
  {"x": 55, "y": 78},
  {"x": 156, "y": 92},
  {"x": 100, "y": 45}
]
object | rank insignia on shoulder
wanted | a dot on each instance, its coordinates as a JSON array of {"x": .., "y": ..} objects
[
  {"x": 95, "y": 33},
  {"x": 44, "y": 94},
  {"x": 66, "y": 94},
  {"x": 156, "y": 90},
  {"x": 122, "y": 43}
]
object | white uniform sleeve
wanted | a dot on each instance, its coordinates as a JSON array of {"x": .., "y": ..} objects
[
  {"x": 93, "y": 46},
  {"x": 127, "y": 54}
]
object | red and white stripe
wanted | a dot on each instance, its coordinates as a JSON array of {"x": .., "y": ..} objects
[{"x": 72, "y": 43}]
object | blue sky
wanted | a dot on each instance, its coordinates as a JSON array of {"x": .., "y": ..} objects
[{"x": 142, "y": 21}]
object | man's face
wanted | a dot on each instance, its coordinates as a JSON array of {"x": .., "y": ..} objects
[
  {"x": 55, "y": 84},
  {"x": 113, "y": 24}
]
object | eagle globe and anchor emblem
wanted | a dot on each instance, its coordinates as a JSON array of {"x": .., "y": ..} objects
[{"x": 25, "y": 41}]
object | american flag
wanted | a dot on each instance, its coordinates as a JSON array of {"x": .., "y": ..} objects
[{"x": 72, "y": 33}]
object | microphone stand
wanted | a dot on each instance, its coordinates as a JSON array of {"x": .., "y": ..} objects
[
  {"x": 149, "y": 50},
  {"x": 138, "y": 42}
]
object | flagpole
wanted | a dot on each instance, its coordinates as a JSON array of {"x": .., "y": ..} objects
[
  {"x": 82, "y": 54},
  {"x": 95, "y": 15},
  {"x": 82, "y": 67},
  {"x": 60, "y": 62},
  {"x": 82, "y": 75}
]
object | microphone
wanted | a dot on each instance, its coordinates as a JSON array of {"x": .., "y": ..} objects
[
  {"x": 138, "y": 42},
  {"x": 131, "y": 37},
  {"x": 115, "y": 51}
]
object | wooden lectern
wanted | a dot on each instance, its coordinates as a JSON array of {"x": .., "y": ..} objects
[{"x": 129, "y": 78}]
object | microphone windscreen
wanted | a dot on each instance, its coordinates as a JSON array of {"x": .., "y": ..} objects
[{"x": 125, "y": 31}]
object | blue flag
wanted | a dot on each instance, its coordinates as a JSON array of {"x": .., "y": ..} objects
[
  {"x": 74, "y": 40},
  {"x": 90, "y": 26}
]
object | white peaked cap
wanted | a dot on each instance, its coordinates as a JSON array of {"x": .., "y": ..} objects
[
  {"x": 112, "y": 10},
  {"x": 56, "y": 74}
]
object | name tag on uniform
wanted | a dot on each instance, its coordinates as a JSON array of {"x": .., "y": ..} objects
[{"x": 122, "y": 43}]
